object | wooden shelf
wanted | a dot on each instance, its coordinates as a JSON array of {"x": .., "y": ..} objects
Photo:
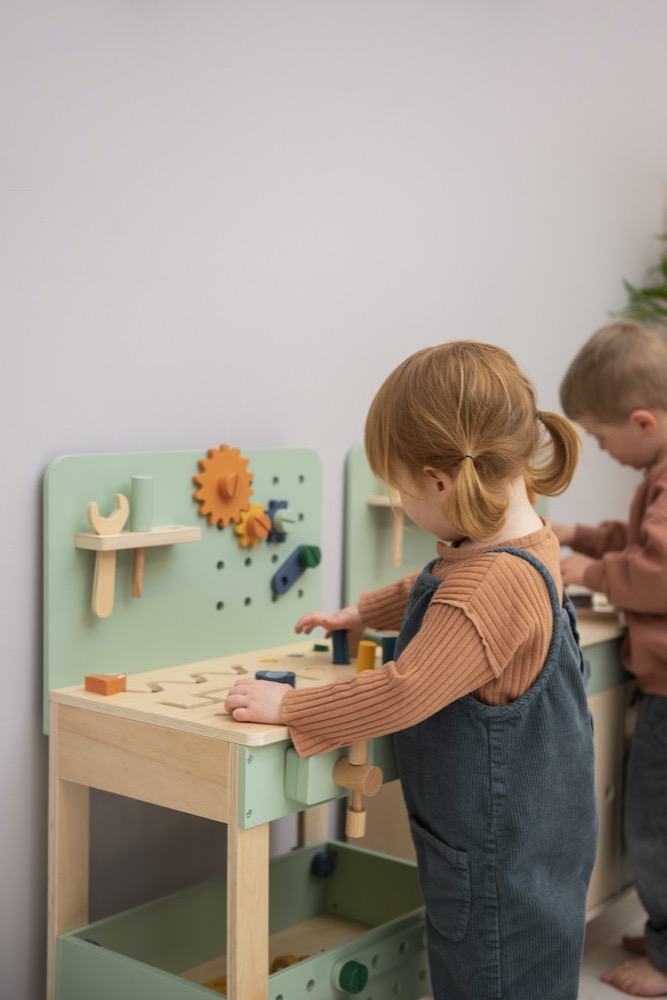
[{"x": 170, "y": 534}]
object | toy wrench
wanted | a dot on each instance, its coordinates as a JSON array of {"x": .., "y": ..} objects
[{"x": 105, "y": 561}]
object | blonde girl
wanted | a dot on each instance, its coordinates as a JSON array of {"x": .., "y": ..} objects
[{"x": 485, "y": 696}]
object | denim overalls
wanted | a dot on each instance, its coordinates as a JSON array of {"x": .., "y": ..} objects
[{"x": 503, "y": 814}]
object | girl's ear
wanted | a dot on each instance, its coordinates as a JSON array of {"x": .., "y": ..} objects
[
  {"x": 438, "y": 480},
  {"x": 645, "y": 420}
]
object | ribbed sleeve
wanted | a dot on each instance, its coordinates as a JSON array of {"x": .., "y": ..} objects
[{"x": 486, "y": 631}]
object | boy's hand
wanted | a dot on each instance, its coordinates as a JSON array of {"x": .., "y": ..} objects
[
  {"x": 348, "y": 618},
  {"x": 256, "y": 701},
  {"x": 573, "y": 568},
  {"x": 564, "y": 533}
]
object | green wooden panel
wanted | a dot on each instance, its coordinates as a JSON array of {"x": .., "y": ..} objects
[
  {"x": 274, "y": 781},
  {"x": 200, "y": 599},
  {"x": 86, "y": 972},
  {"x": 605, "y": 663}
]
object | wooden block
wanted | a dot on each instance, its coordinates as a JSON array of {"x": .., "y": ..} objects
[{"x": 105, "y": 683}]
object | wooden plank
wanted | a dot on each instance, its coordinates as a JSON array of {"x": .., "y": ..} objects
[
  {"x": 247, "y": 901},
  {"x": 69, "y": 827},
  {"x": 168, "y": 768}
]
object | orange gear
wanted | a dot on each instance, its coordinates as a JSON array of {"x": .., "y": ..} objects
[
  {"x": 254, "y": 527},
  {"x": 224, "y": 483}
]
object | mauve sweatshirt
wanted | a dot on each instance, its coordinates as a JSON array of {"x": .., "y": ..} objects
[{"x": 631, "y": 570}]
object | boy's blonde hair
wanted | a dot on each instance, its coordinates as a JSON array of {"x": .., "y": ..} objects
[
  {"x": 621, "y": 368},
  {"x": 467, "y": 405}
]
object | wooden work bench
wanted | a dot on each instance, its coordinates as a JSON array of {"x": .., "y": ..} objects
[
  {"x": 179, "y": 622},
  {"x": 167, "y": 740}
]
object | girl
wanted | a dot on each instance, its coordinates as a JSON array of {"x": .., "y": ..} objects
[{"x": 486, "y": 695}]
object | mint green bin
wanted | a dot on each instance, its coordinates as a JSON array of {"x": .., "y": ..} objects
[{"x": 356, "y": 914}]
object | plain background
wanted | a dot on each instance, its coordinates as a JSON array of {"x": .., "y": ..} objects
[{"x": 228, "y": 220}]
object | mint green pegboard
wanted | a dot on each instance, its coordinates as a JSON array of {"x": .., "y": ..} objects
[
  {"x": 367, "y": 543},
  {"x": 200, "y": 599}
]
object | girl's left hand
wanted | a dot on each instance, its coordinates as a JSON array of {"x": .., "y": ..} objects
[{"x": 256, "y": 701}]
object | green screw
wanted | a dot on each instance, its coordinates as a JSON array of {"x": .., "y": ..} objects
[{"x": 353, "y": 977}]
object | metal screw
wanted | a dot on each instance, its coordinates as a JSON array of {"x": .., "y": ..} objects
[
  {"x": 248, "y": 814},
  {"x": 250, "y": 758}
]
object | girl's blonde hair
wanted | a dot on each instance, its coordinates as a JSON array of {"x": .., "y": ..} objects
[
  {"x": 467, "y": 405},
  {"x": 621, "y": 368}
]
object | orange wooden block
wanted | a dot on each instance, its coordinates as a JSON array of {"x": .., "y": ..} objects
[{"x": 106, "y": 683}]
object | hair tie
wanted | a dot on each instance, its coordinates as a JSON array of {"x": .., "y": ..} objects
[
  {"x": 471, "y": 457},
  {"x": 538, "y": 415}
]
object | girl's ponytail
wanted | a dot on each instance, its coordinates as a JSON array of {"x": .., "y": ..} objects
[
  {"x": 552, "y": 476},
  {"x": 471, "y": 507}
]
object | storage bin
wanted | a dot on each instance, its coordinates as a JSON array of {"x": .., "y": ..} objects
[{"x": 356, "y": 915}]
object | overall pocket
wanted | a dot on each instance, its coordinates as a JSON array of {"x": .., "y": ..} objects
[{"x": 444, "y": 877}]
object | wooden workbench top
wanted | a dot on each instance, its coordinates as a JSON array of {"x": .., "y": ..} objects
[{"x": 191, "y": 697}]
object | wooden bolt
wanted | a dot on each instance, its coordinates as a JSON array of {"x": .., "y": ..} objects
[
  {"x": 354, "y": 772},
  {"x": 228, "y": 485}
]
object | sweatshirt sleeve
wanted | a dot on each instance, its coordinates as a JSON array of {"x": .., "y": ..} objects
[
  {"x": 634, "y": 579},
  {"x": 610, "y": 536}
]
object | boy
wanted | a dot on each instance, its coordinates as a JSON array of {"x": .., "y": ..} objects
[{"x": 616, "y": 389}]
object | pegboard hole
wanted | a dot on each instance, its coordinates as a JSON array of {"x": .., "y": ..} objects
[
  {"x": 220, "y": 605},
  {"x": 221, "y": 564},
  {"x": 248, "y": 562},
  {"x": 275, "y": 480},
  {"x": 375, "y": 961},
  {"x": 310, "y": 985},
  {"x": 302, "y": 479},
  {"x": 302, "y": 517},
  {"x": 299, "y": 593},
  {"x": 404, "y": 947},
  {"x": 275, "y": 557},
  {"x": 248, "y": 602}
]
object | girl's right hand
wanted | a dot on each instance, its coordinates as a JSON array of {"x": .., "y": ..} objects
[{"x": 347, "y": 618}]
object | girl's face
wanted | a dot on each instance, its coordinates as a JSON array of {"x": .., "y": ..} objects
[{"x": 422, "y": 502}]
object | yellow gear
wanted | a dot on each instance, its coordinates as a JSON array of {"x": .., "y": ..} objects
[
  {"x": 224, "y": 483},
  {"x": 255, "y": 525}
]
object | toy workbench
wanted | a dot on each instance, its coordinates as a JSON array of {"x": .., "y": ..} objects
[{"x": 167, "y": 577}]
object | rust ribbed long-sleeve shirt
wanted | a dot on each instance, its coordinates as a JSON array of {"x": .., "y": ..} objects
[{"x": 487, "y": 632}]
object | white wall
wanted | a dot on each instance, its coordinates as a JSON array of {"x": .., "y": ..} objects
[{"x": 227, "y": 221}]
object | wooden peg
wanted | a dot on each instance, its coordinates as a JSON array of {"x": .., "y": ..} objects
[{"x": 354, "y": 772}]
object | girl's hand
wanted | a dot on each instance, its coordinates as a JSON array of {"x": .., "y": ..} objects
[
  {"x": 348, "y": 618},
  {"x": 256, "y": 701},
  {"x": 573, "y": 568}
]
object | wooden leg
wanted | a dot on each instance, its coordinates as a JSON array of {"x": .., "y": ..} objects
[
  {"x": 247, "y": 901},
  {"x": 314, "y": 825},
  {"x": 69, "y": 831}
]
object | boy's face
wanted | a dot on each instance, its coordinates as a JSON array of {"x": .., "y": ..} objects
[{"x": 633, "y": 442}]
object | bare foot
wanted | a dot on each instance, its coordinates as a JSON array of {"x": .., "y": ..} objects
[
  {"x": 639, "y": 977},
  {"x": 637, "y": 944}
]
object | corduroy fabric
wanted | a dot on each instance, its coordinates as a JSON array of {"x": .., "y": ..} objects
[{"x": 503, "y": 814}]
